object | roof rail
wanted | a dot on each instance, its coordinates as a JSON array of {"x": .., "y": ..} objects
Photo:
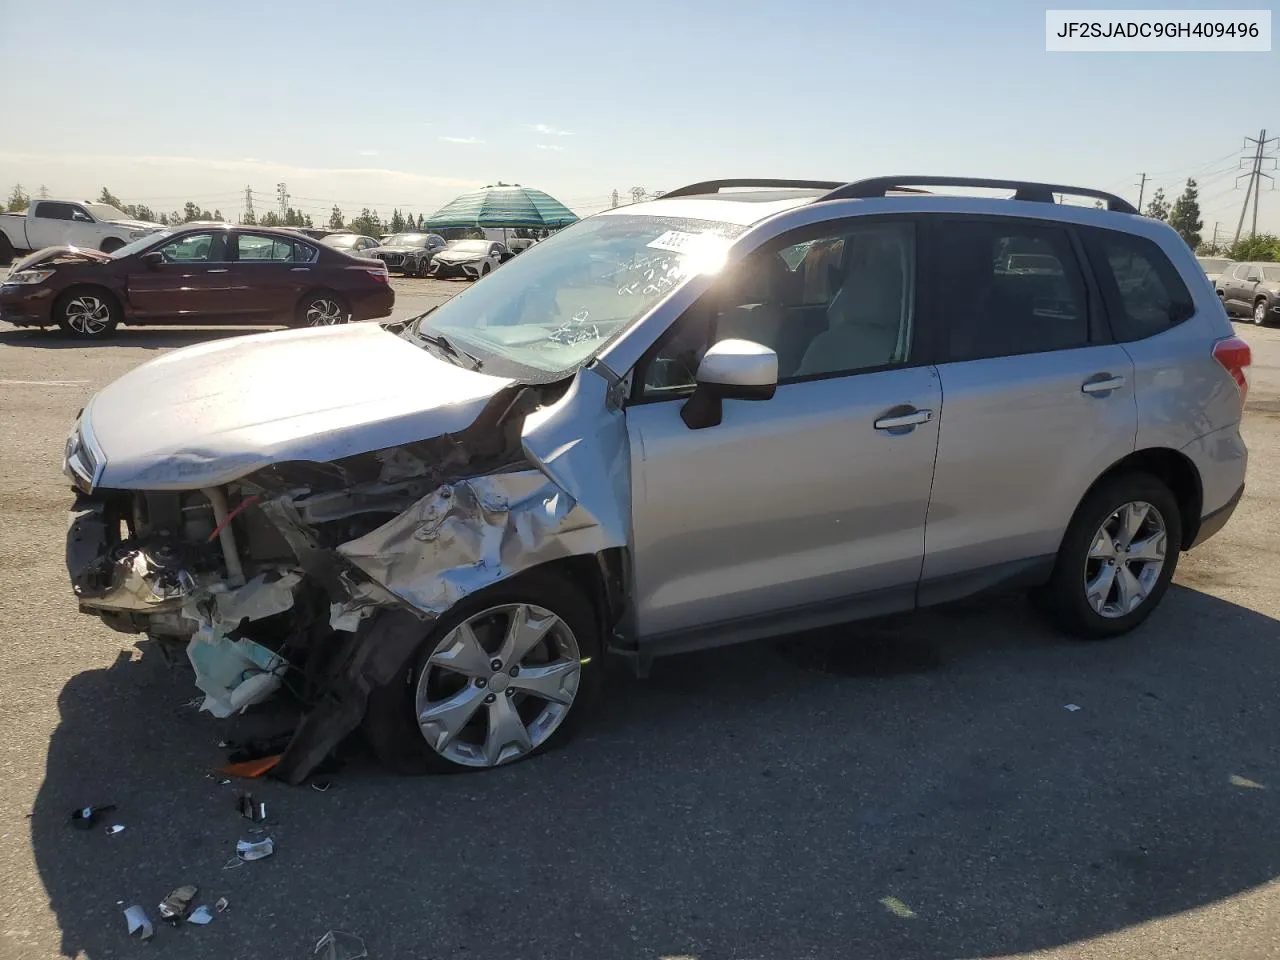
[
  {"x": 715, "y": 186},
  {"x": 1023, "y": 189}
]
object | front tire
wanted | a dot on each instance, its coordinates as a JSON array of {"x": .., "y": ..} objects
[
  {"x": 424, "y": 265},
  {"x": 87, "y": 313},
  {"x": 321, "y": 309},
  {"x": 1116, "y": 559},
  {"x": 510, "y": 672}
]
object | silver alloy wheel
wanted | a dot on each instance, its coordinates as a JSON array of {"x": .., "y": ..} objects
[
  {"x": 498, "y": 685},
  {"x": 324, "y": 312},
  {"x": 88, "y": 315},
  {"x": 1125, "y": 559},
  {"x": 1260, "y": 312}
]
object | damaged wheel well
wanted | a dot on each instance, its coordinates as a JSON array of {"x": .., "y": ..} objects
[{"x": 602, "y": 577}]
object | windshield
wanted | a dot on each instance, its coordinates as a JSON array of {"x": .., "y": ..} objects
[
  {"x": 1271, "y": 274},
  {"x": 104, "y": 211},
  {"x": 556, "y": 305},
  {"x": 405, "y": 240},
  {"x": 341, "y": 243},
  {"x": 129, "y": 249},
  {"x": 469, "y": 246},
  {"x": 1214, "y": 266}
]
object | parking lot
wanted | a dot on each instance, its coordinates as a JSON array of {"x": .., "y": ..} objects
[{"x": 919, "y": 787}]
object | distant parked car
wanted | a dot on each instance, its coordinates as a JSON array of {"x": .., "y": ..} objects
[
  {"x": 471, "y": 259},
  {"x": 1214, "y": 267},
  {"x": 410, "y": 253},
  {"x": 46, "y": 223},
  {"x": 1251, "y": 290},
  {"x": 202, "y": 274},
  {"x": 355, "y": 244}
]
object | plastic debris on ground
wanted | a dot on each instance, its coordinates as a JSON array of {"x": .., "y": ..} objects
[
  {"x": 320, "y": 786},
  {"x": 114, "y": 829},
  {"x": 201, "y": 915},
  {"x": 897, "y": 908},
  {"x": 1238, "y": 781},
  {"x": 249, "y": 850},
  {"x": 251, "y": 809},
  {"x": 139, "y": 922},
  {"x": 1073, "y": 707},
  {"x": 86, "y": 817},
  {"x": 222, "y": 904},
  {"x": 336, "y": 945},
  {"x": 174, "y": 907}
]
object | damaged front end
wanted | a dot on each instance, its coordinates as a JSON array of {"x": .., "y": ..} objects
[{"x": 326, "y": 576}]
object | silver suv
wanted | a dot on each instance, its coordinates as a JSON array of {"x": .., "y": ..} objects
[{"x": 744, "y": 409}]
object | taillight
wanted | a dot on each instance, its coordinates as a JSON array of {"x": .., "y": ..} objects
[
  {"x": 1235, "y": 356},
  {"x": 378, "y": 273}
]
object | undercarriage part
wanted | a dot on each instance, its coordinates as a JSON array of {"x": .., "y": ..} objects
[
  {"x": 226, "y": 535},
  {"x": 366, "y": 659}
]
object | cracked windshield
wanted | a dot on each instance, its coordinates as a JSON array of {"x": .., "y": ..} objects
[{"x": 555, "y": 306}]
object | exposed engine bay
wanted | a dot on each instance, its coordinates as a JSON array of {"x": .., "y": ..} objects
[{"x": 324, "y": 576}]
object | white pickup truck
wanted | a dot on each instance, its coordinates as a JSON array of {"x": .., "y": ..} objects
[{"x": 51, "y": 223}]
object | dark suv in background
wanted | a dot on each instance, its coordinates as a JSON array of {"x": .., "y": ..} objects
[{"x": 200, "y": 273}]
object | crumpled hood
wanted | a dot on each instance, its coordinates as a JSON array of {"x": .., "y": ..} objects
[
  {"x": 209, "y": 414},
  {"x": 60, "y": 254}
]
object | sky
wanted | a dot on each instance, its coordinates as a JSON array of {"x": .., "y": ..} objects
[{"x": 351, "y": 104}]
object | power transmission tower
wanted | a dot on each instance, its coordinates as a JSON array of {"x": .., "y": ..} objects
[
  {"x": 44, "y": 192},
  {"x": 637, "y": 194},
  {"x": 1255, "y": 179},
  {"x": 283, "y": 193},
  {"x": 248, "y": 205},
  {"x": 1142, "y": 189},
  {"x": 614, "y": 198}
]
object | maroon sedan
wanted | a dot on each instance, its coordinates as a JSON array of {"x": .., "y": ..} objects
[{"x": 195, "y": 274}]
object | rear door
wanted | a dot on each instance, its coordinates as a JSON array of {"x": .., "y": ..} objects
[
  {"x": 270, "y": 275},
  {"x": 1039, "y": 401},
  {"x": 192, "y": 281}
]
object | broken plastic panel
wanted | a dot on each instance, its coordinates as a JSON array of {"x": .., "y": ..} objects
[
  {"x": 336, "y": 945},
  {"x": 249, "y": 850},
  {"x": 139, "y": 922},
  {"x": 201, "y": 915},
  {"x": 174, "y": 907}
]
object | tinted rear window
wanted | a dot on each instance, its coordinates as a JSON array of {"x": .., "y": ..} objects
[{"x": 1143, "y": 291}]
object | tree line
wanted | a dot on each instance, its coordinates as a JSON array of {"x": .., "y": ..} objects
[{"x": 1184, "y": 216}]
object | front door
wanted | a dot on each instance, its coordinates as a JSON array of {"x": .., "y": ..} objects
[
  {"x": 816, "y": 497},
  {"x": 192, "y": 281},
  {"x": 1038, "y": 405}
]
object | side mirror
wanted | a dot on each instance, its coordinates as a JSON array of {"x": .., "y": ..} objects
[
  {"x": 152, "y": 259},
  {"x": 730, "y": 370}
]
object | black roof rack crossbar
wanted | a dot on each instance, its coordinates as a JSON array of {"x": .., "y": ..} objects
[
  {"x": 715, "y": 186},
  {"x": 1023, "y": 190}
]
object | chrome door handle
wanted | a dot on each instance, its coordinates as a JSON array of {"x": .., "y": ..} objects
[
  {"x": 219, "y": 270},
  {"x": 912, "y": 419},
  {"x": 300, "y": 270},
  {"x": 1102, "y": 386}
]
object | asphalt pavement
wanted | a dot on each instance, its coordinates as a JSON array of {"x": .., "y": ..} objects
[{"x": 921, "y": 787}]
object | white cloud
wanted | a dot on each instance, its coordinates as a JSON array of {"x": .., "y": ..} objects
[
  {"x": 462, "y": 140},
  {"x": 368, "y": 153},
  {"x": 550, "y": 146},
  {"x": 547, "y": 130}
]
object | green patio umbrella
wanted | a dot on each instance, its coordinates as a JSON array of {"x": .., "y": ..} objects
[{"x": 503, "y": 205}]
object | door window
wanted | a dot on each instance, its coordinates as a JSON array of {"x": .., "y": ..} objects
[
  {"x": 1144, "y": 293},
  {"x": 839, "y": 303},
  {"x": 193, "y": 248},
  {"x": 255, "y": 247},
  {"x": 1242, "y": 272},
  {"x": 1007, "y": 287}
]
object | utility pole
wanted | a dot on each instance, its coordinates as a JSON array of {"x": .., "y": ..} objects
[
  {"x": 1214, "y": 242},
  {"x": 283, "y": 193},
  {"x": 1255, "y": 179},
  {"x": 1142, "y": 190},
  {"x": 248, "y": 205}
]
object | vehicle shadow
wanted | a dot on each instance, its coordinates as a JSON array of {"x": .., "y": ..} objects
[
  {"x": 146, "y": 338},
  {"x": 920, "y": 787}
]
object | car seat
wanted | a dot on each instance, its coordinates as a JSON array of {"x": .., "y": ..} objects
[{"x": 864, "y": 319}]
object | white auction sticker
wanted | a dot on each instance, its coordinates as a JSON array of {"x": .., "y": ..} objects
[
  {"x": 679, "y": 242},
  {"x": 1157, "y": 31}
]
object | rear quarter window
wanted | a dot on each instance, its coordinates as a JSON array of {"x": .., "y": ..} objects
[{"x": 1142, "y": 289}]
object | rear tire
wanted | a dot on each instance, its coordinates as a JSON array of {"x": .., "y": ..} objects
[
  {"x": 87, "y": 313},
  {"x": 1116, "y": 560},
  {"x": 1260, "y": 312},
  {"x": 322, "y": 308},
  {"x": 7, "y": 252},
  {"x": 391, "y": 722}
]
